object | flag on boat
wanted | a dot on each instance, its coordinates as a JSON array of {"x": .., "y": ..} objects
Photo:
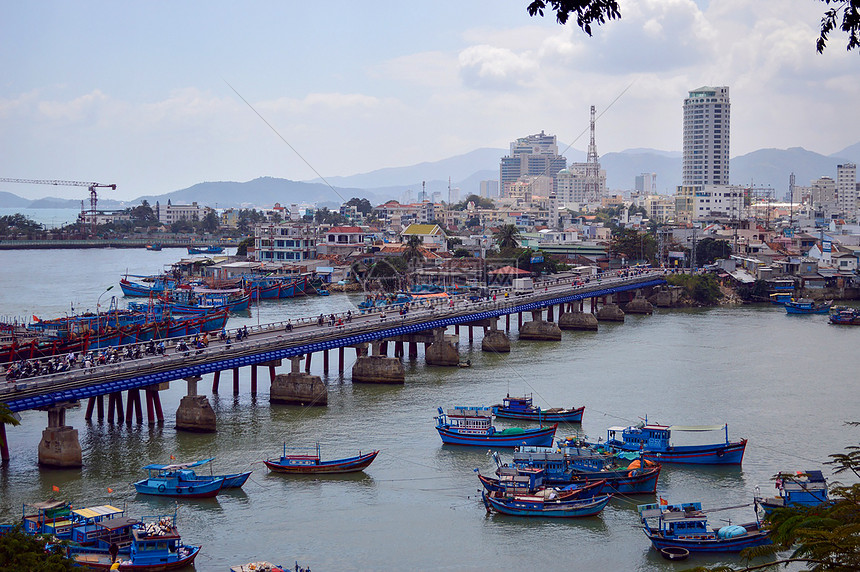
[
  {"x": 663, "y": 501},
  {"x": 110, "y": 490},
  {"x": 35, "y": 319},
  {"x": 55, "y": 488},
  {"x": 172, "y": 458}
]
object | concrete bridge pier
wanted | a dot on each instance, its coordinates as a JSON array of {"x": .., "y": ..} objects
[
  {"x": 577, "y": 321},
  {"x": 639, "y": 305},
  {"x": 413, "y": 350},
  {"x": 195, "y": 413},
  {"x": 298, "y": 388},
  {"x": 441, "y": 351},
  {"x": 254, "y": 380},
  {"x": 154, "y": 414},
  {"x": 377, "y": 368},
  {"x": 216, "y": 378},
  {"x": 235, "y": 381},
  {"x": 495, "y": 340},
  {"x": 59, "y": 446},
  {"x": 4, "y": 445},
  {"x": 115, "y": 404},
  {"x": 98, "y": 403},
  {"x": 610, "y": 312},
  {"x": 539, "y": 329},
  {"x": 340, "y": 357},
  {"x": 133, "y": 406}
]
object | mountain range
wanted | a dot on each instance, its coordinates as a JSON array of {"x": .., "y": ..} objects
[{"x": 762, "y": 168}]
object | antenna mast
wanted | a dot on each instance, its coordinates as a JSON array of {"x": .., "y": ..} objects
[{"x": 592, "y": 167}]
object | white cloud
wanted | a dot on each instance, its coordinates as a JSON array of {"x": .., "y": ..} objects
[{"x": 489, "y": 67}]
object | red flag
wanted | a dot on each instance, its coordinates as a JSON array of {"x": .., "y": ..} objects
[
  {"x": 663, "y": 501},
  {"x": 55, "y": 488},
  {"x": 110, "y": 490},
  {"x": 35, "y": 319},
  {"x": 172, "y": 458}
]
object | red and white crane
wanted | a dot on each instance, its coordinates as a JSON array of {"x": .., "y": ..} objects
[{"x": 94, "y": 199}]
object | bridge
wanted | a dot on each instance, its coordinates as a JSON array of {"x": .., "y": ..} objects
[{"x": 268, "y": 345}]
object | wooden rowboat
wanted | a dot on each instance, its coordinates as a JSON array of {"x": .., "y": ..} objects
[{"x": 311, "y": 464}]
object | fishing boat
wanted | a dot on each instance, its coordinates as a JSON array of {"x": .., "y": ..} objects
[
  {"x": 101, "y": 526},
  {"x": 184, "y": 472},
  {"x": 524, "y": 408},
  {"x": 780, "y": 298},
  {"x": 170, "y": 481},
  {"x": 530, "y": 481},
  {"x": 211, "y": 249},
  {"x": 803, "y": 488},
  {"x": 538, "y": 505},
  {"x": 259, "y": 566},
  {"x": 200, "y": 301},
  {"x": 51, "y": 517},
  {"x": 156, "y": 546},
  {"x": 473, "y": 426},
  {"x": 578, "y": 465},
  {"x": 665, "y": 444},
  {"x": 807, "y": 306},
  {"x": 846, "y": 317},
  {"x": 154, "y": 247},
  {"x": 685, "y": 526},
  {"x": 311, "y": 464},
  {"x": 150, "y": 285}
]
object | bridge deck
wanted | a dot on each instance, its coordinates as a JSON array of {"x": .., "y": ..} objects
[{"x": 271, "y": 342}]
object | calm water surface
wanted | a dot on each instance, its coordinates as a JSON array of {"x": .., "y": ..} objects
[{"x": 785, "y": 382}]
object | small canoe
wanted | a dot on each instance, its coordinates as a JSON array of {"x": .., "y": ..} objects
[
  {"x": 311, "y": 464},
  {"x": 526, "y": 505}
]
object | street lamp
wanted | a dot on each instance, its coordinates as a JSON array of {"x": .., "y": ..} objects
[{"x": 98, "y": 305}]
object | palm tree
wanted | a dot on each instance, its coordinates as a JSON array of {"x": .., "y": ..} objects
[
  {"x": 412, "y": 253},
  {"x": 508, "y": 237}
]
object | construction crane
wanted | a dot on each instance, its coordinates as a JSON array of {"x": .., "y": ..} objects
[{"x": 94, "y": 199}]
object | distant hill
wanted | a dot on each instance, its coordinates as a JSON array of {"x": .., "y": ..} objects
[
  {"x": 12, "y": 201},
  {"x": 762, "y": 168},
  {"x": 264, "y": 191}
]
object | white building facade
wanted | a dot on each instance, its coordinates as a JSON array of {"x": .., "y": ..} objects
[{"x": 707, "y": 113}]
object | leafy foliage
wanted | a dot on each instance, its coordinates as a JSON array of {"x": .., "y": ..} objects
[
  {"x": 20, "y": 551},
  {"x": 17, "y": 223},
  {"x": 850, "y": 22},
  {"x": 242, "y": 249},
  {"x": 587, "y": 11},
  {"x": 633, "y": 245},
  {"x": 709, "y": 250},
  {"x": 508, "y": 237},
  {"x": 701, "y": 288},
  {"x": 480, "y": 203},
  {"x": 362, "y": 205}
]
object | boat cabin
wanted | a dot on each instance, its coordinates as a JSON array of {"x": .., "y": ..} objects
[
  {"x": 662, "y": 437},
  {"x": 805, "y": 488},
  {"x": 546, "y": 458},
  {"x": 155, "y": 542},
  {"x": 520, "y": 404},
  {"x": 94, "y": 525},
  {"x": 49, "y": 517},
  {"x": 476, "y": 420},
  {"x": 520, "y": 480},
  {"x": 678, "y": 521}
]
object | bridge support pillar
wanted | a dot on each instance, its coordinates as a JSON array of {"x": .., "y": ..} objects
[
  {"x": 133, "y": 405},
  {"x": 413, "y": 350},
  {"x": 378, "y": 369},
  {"x": 495, "y": 340},
  {"x": 507, "y": 322},
  {"x": 540, "y": 330},
  {"x": 298, "y": 388},
  {"x": 340, "y": 357},
  {"x": 549, "y": 316},
  {"x": 577, "y": 321},
  {"x": 610, "y": 313},
  {"x": 398, "y": 349},
  {"x": 215, "y": 380},
  {"x": 325, "y": 361},
  {"x": 254, "y": 379},
  {"x": 4, "y": 445},
  {"x": 441, "y": 351},
  {"x": 235, "y": 381},
  {"x": 115, "y": 404},
  {"x": 195, "y": 413},
  {"x": 59, "y": 446},
  {"x": 519, "y": 319},
  {"x": 471, "y": 334},
  {"x": 308, "y": 362},
  {"x": 97, "y": 402}
]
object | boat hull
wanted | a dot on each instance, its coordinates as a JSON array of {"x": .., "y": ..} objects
[
  {"x": 639, "y": 483},
  {"x": 754, "y": 537},
  {"x": 183, "y": 489},
  {"x": 101, "y": 561},
  {"x": 337, "y": 466},
  {"x": 721, "y": 454},
  {"x": 548, "y": 509},
  {"x": 529, "y": 438},
  {"x": 567, "y": 416}
]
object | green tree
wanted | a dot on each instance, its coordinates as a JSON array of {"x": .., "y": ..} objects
[
  {"x": 480, "y": 203},
  {"x": 210, "y": 222},
  {"x": 21, "y": 551},
  {"x": 143, "y": 215},
  {"x": 18, "y": 223},
  {"x": 632, "y": 245},
  {"x": 362, "y": 205},
  {"x": 708, "y": 250},
  {"x": 242, "y": 249},
  {"x": 462, "y": 253},
  {"x": 701, "y": 288},
  {"x": 841, "y": 14},
  {"x": 454, "y": 242},
  {"x": 412, "y": 254},
  {"x": 508, "y": 237}
]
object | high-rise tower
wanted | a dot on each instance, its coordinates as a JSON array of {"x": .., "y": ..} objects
[{"x": 706, "y": 137}]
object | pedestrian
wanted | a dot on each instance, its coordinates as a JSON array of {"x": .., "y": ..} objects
[
  {"x": 382, "y": 316},
  {"x": 113, "y": 551}
]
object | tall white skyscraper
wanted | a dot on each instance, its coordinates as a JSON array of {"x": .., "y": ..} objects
[
  {"x": 846, "y": 190},
  {"x": 706, "y": 137}
]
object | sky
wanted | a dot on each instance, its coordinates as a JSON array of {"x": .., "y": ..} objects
[{"x": 139, "y": 93}]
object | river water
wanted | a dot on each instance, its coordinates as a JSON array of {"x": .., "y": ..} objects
[{"x": 788, "y": 383}]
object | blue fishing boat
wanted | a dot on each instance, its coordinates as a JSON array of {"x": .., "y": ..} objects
[
  {"x": 780, "y": 298},
  {"x": 154, "y": 247},
  {"x": 845, "y": 317},
  {"x": 538, "y": 505},
  {"x": 211, "y": 249},
  {"x": 310, "y": 463},
  {"x": 473, "y": 426},
  {"x": 685, "y": 526},
  {"x": 185, "y": 472},
  {"x": 803, "y": 488},
  {"x": 168, "y": 481},
  {"x": 578, "y": 465},
  {"x": 665, "y": 444},
  {"x": 156, "y": 546},
  {"x": 151, "y": 285},
  {"x": 523, "y": 408},
  {"x": 530, "y": 481},
  {"x": 807, "y": 306}
]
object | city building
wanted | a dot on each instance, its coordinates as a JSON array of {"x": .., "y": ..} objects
[
  {"x": 341, "y": 240},
  {"x": 646, "y": 183},
  {"x": 718, "y": 202},
  {"x": 394, "y": 213},
  {"x": 489, "y": 189},
  {"x": 285, "y": 242},
  {"x": 432, "y": 236},
  {"x": 170, "y": 213},
  {"x": 846, "y": 191},
  {"x": 706, "y": 137},
  {"x": 532, "y": 155}
]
